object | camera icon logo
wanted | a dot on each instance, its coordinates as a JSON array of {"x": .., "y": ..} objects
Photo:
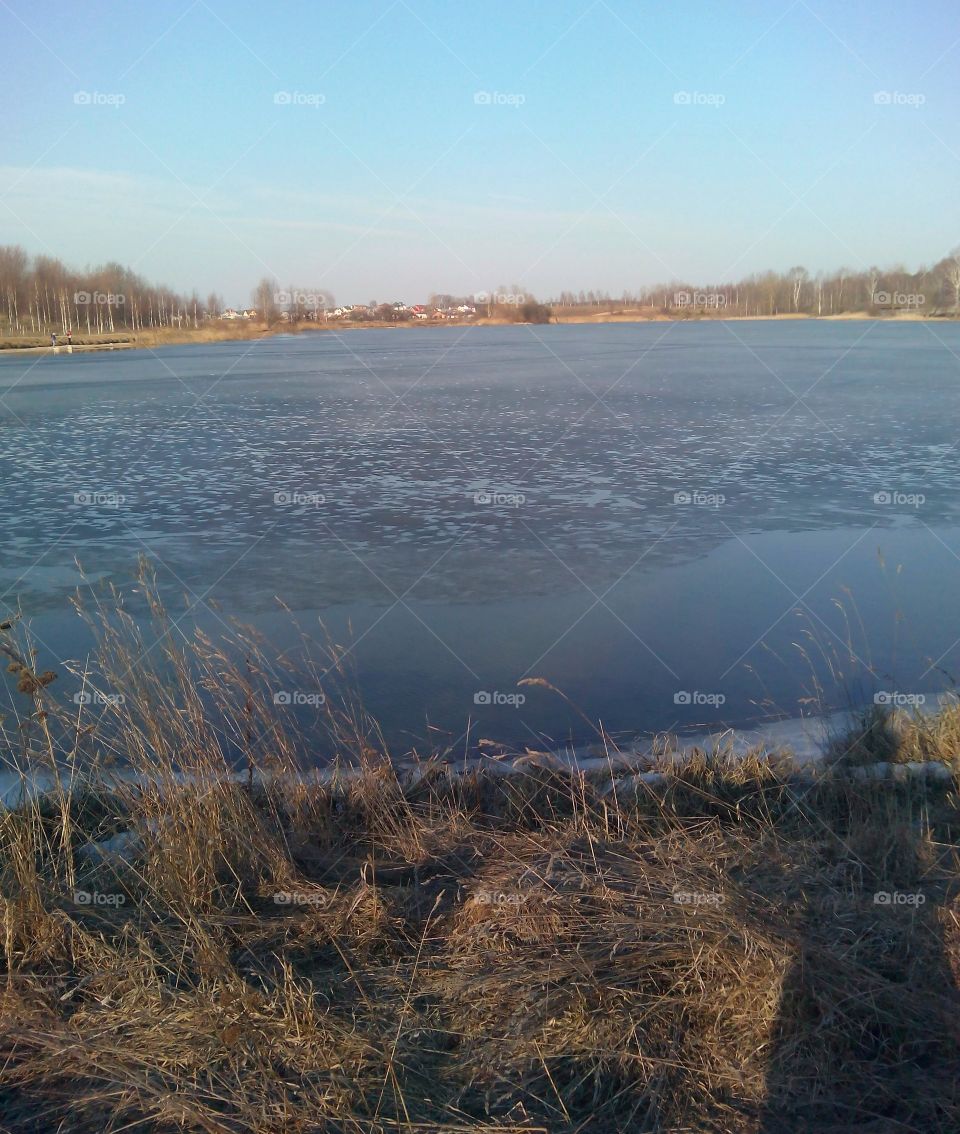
[
  {"x": 683, "y": 98},
  {"x": 682, "y": 698},
  {"x": 482, "y": 698},
  {"x": 82, "y": 897},
  {"x": 282, "y": 98},
  {"x": 282, "y": 698},
  {"x": 482, "y": 98}
]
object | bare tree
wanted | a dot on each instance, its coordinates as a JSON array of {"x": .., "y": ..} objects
[
  {"x": 953, "y": 275},
  {"x": 798, "y": 277},
  {"x": 265, "y": 300}
]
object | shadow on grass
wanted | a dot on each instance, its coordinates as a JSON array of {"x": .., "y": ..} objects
[{"x": 867, "y": 1036}]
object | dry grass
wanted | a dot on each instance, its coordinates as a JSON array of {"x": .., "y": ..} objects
[
  {"x": 42, "y": 342},
  {"x": 217, "y": 331},
  {"x": 472, "y": 953},
  {"x": 898, "y": 736}
]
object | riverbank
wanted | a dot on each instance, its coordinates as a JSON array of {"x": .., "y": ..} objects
[
  {"x": 129, "y": 340},
  {"x": 248, "y": 332},
  {"x": 725, "y": 949},
  {"x": 721, "y": 938},
  {"x": 720, "y": 316}
]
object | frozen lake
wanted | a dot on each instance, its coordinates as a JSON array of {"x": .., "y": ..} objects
[{"x": 680, "y": 526}]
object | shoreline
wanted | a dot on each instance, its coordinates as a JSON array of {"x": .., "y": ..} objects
[
  {"x": 301, "y": 935},
  {"x": 801, "y": 745},
  {"x": 207, "y": 335}
]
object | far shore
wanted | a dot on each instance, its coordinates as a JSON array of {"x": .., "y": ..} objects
[{"x": 250, "y": 332}]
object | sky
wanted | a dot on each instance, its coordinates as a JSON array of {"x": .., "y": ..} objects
[{"x": 387, "y": 149}]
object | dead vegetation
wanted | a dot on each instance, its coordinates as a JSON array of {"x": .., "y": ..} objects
[{"x": 186, "y": 949}]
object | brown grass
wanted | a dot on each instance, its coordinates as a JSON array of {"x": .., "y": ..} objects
[
  {"x": 219, "y": 331},
  {"x": 42, "y": 342},
  {"x": 433, "y": 952}
]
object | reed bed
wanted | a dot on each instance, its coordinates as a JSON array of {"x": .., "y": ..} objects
[{"x": 215, "y": 941}]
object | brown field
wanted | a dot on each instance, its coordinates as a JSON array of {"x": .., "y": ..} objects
[
  {"x": 209, "y": 333},
  {"x": 656, "y": 315}
]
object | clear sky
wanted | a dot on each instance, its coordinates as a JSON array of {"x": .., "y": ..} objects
[{"x": 383, "y": 149}]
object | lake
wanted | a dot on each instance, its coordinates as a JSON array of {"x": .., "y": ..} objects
[{"x": 677, "y": 525}]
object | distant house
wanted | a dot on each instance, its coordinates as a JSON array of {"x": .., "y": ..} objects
[
  {"x": 250, "y": 313},
  {"x": 231, "y": 313}
]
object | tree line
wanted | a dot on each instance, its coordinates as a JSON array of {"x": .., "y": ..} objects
[
  {"x": 932, "y": 290},
  {"x": 40, "y": 294}
]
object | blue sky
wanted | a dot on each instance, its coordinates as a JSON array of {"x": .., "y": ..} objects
[{"x": 387, "y": 149}]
